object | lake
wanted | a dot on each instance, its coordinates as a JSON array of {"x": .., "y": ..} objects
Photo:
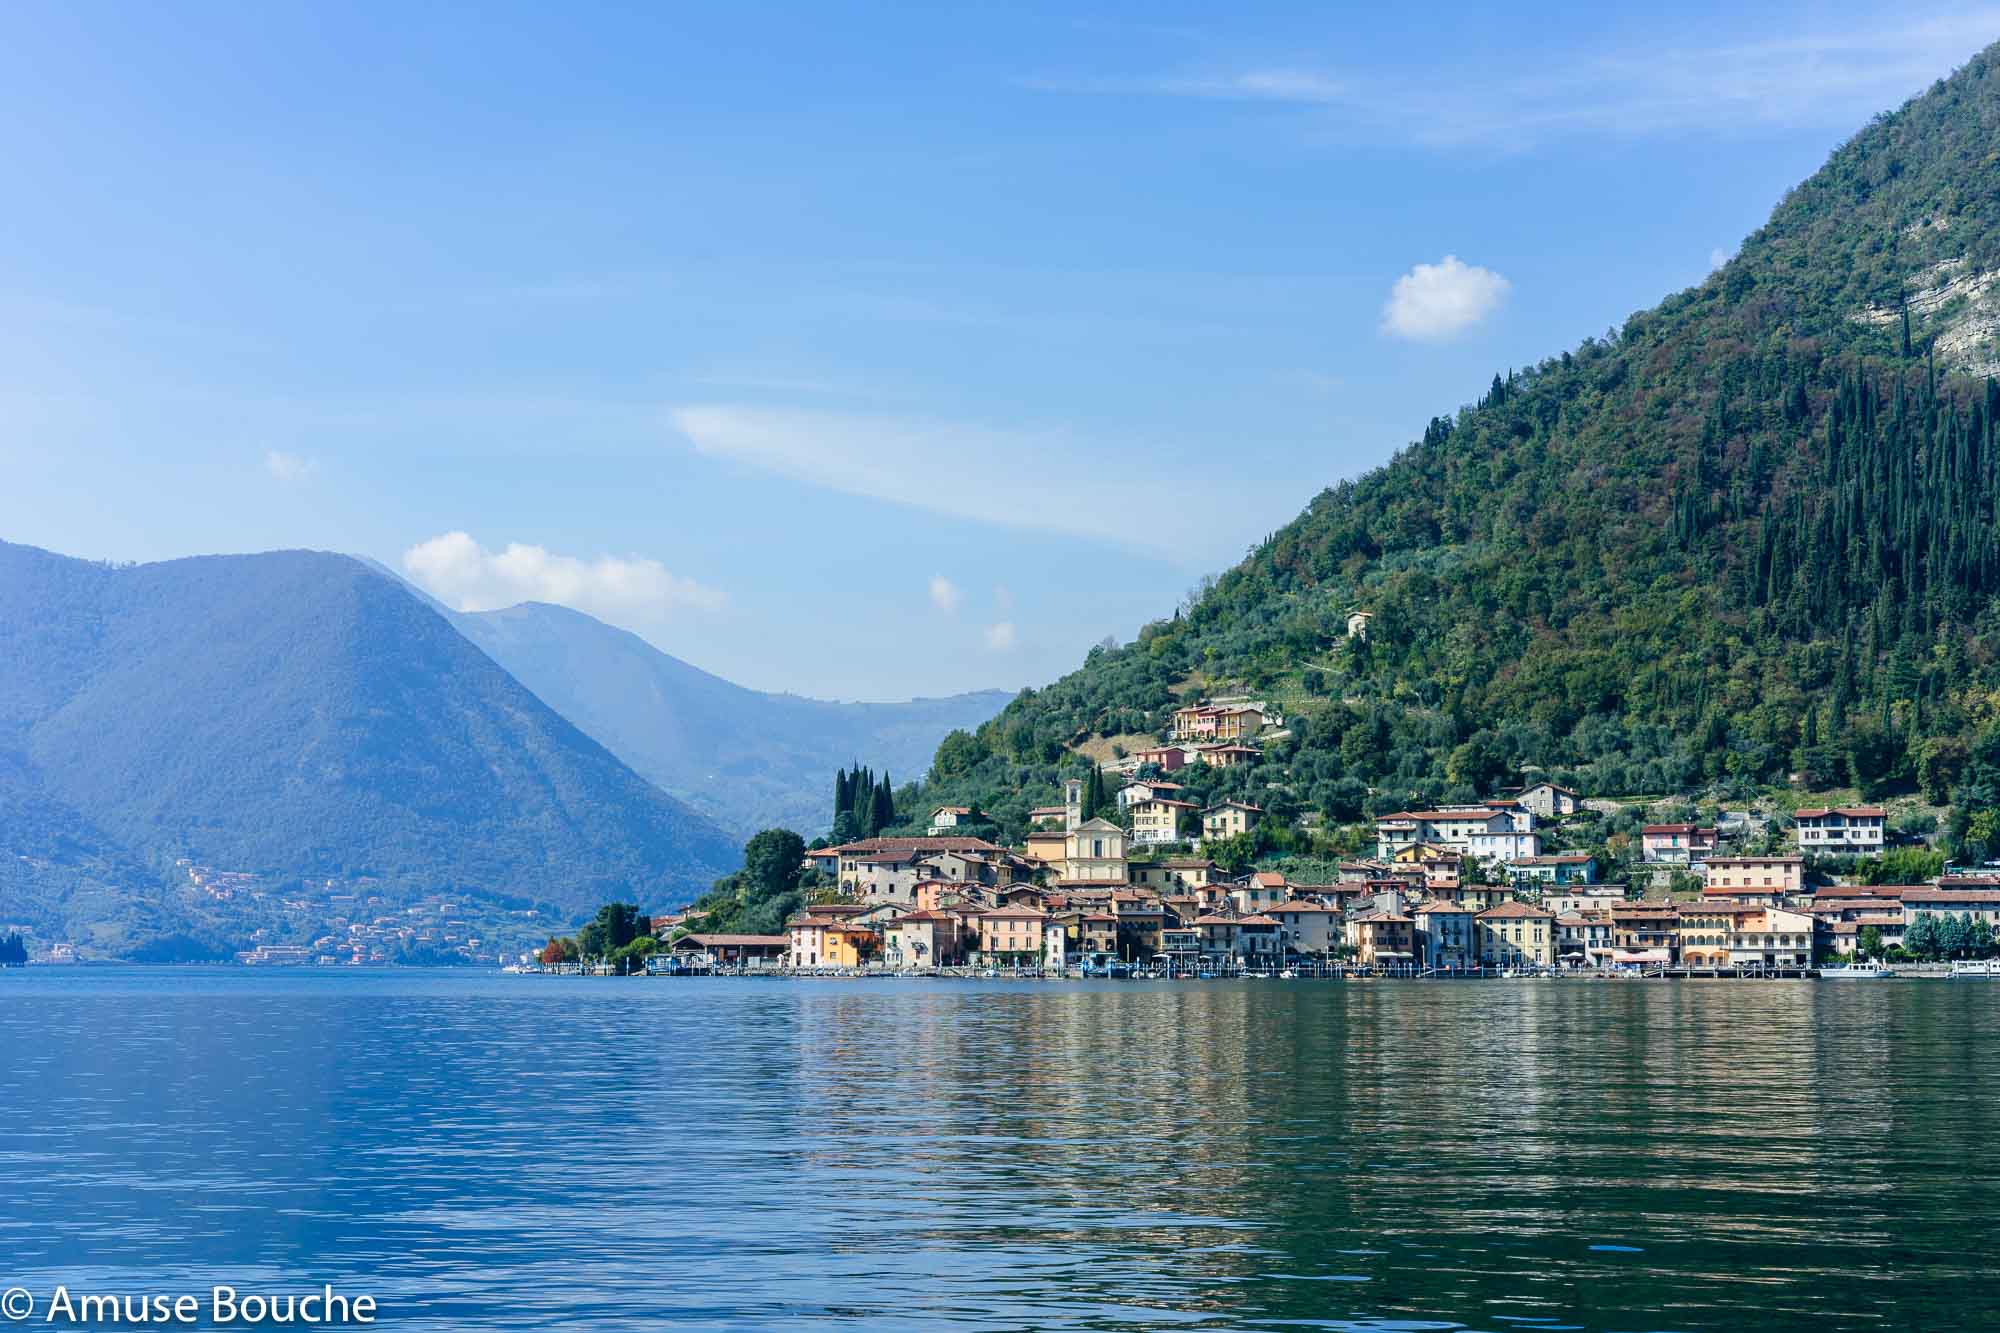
[{"x": 480, "y": 1151}]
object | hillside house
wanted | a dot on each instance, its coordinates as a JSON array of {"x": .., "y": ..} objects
[
  {"x": 1509, "y": 844},
  {"x": 1147, "y": 789},
  {"x": 1449, "y": 829},
  {"x": 1555, "y": 868},
  {"x": 1229, "y": 819},
  {"x": 1218, "y": 721},
  {"x": 947, "y": 818},
  {"x": 1166, "y": 757},
  {"x": 1173, "y": 873},
  {"x": 1548, "y": 801},
  {"x": 1227, "y": 756},
  {"x": 1854, "y": 828},
  {"x": 1677, "y": 844},
  {"x": 1158, "y": 820}
]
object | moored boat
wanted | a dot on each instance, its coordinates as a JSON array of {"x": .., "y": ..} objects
[
  {"x": 1868, "y": 971},
  {"x": 1987, "y": 969}
]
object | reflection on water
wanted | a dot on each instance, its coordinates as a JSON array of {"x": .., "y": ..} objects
[{"x": 492, "y": 1152}]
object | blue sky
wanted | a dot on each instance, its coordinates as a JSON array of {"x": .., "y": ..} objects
[{"x": 862, "y": 351}]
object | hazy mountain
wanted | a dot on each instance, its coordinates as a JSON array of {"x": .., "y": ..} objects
[
  {"x": 297, "y": 716},
  {"x": 747, "y": 759}
]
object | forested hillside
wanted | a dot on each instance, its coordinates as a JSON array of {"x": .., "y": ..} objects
[
  {"x": 300, "y": 718},
  {"x": 1747, "y": 539}
]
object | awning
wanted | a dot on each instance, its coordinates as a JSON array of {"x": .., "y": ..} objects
[{"x": 1639, "y": 956}]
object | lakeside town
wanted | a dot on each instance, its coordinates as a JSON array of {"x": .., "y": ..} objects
[{"x": 1112, "y": 885}]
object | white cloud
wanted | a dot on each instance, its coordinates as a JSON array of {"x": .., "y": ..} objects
[
  {"x": 1834, "y": 78},
  {"x": 985, "y": 473},
  {"x": 1000, "y": 637},
  {"x": 945, "y": 595},
  {"x": 457, "y": 571},
  {"x": 288, "y": 468},
  {"x": 1433, "y": 302},
  {"x": 1718, "y": 257}
]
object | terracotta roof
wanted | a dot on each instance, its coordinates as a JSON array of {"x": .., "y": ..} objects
[
  {"x": 1852, "y": 811},
  {"x": 1756, "y": 860},
  {"x": 943, "y": 844},
  {"x": 1295, "y": 905},
  {"x": 1258, "y": 919},
  {"x": 1435, "y": 816},
  {"x": 1268, "y": 879},
  {"x": 712, "y": 941},
  {"x": 1983, "y": 897},
  {"x": 1514, "y": 909}
]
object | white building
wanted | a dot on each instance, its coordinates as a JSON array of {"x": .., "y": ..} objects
[
  {"x": 1446, "y": 828},
  {"x": 1512, "y": 845},
  {"x": 1854, "y": 828}
]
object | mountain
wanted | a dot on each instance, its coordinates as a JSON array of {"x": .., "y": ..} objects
[
  {"x": 1745, "y": 540},
  {"x": 298, "y": 718},
  {"x": 746, "y": 759}
]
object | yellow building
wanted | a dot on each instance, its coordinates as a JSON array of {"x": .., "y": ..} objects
[
  {"x": 1158, "y": 819},
  {"x": 1229, "y": 819},
  {"x": 820, "y": 939},
  {"x": 1513, "y": 934}
]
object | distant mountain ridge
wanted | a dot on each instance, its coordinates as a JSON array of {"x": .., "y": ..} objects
[
  {"x": 747, "y": 759},
  {"x": 296, "y": 715}
]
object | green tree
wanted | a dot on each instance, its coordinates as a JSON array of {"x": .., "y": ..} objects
[
  {"x": 1869, "y": 942},
  {"x": 1939, "y": 762},
  {"x": 773, "y": 861},
  {"x": 632, "y": 956},
  {"x": 1921, "y": 939},
  {"x": 615, "y": 926}
]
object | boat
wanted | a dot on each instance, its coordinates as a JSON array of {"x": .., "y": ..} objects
[
  {"x": 1983, "y": 970},
  {"x": 1868, "y": 971},
  {"x": 1288, "y": 974}
]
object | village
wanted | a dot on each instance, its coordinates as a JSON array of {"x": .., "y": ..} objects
[{"x": 1461, "y": 890}]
